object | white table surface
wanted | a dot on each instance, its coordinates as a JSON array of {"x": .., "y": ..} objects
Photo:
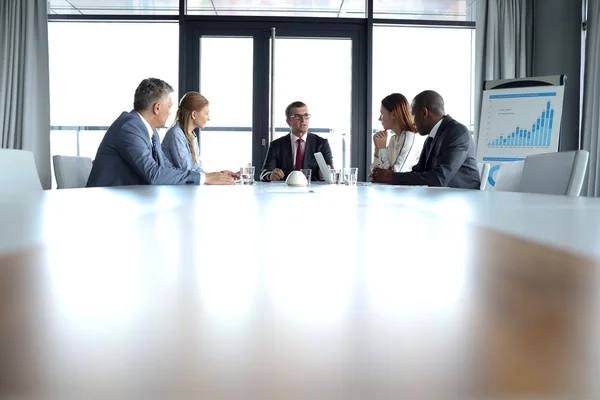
[
  {"x": 567, "y": 223},
  {"x": 271, "y": 292}
]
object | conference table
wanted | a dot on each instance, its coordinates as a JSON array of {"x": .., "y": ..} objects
[{"x": 319, "y": 292}]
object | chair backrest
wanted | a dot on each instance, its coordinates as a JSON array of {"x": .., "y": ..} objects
[
  {"x": 554, "y": 173},
  {"x": 484, "y": 173},
  {"x": 18, "y": 173},
  {"x": 71, "y": 172},
  {"x": 508, "y": 177}
]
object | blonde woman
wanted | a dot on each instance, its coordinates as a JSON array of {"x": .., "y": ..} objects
[
  {"x": 405, "y": 145},
  {"x": 180, "y": 144}
]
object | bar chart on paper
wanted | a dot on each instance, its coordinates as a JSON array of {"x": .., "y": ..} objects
[
  {"x": 537, "y": 134},
  {"x": 521, "y": 120}
]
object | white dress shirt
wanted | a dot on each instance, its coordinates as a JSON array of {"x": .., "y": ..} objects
[
  {"x": 148, "y": 127},
  {"x": 294, "y": 140},
  {"x": 435, "y": 128}
]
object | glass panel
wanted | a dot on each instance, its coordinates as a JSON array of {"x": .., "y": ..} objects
[
  {"x": 289, "y": 8},
  {"x": 94, "y": 71},
  {"x": 114, "y": 7},
  {"x": 226, "y": 81},
  {"x": 449, "y": 10},
  {"x": 64, "y": 142},
  {"x": 449, "y": 71},
  {"x": 89, "y": 141},
  {"x": 325, "y": 87},
  {"x": 61, "y": 7},
  {"x": 473, "y": 49}
]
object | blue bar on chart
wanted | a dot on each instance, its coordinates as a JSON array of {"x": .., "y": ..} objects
[
  {"x": 550, "y": 127},
  {"x": 538, "y": 131},
  {"x": 538, "y": 140},
  {"x": 547, "y": 133},
  {"x": 539, "y": 135},
  {"x": 533, "y": 132}
]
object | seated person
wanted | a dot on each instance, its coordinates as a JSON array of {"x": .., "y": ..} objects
[
  {"x": 180, "y": 144},
  {"x": 403, "y": 151},
  {"x": 283, "y": 156},
  {"x": 130, "y": 152},
  {"x": 448, "y": 155}
]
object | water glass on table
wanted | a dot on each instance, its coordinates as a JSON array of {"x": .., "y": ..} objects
[
  {"x": 307, "y": 173},
  {"x": 336, "y": 176},
  {"x": 247, "y": 175},
  {"x": 350, "y": 176}
]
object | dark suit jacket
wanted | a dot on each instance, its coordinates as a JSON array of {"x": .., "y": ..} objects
[
  {"x": 280, "y": 156},
  {"x": 450, "y": 162},
  {"x": 125, "y": 158}
]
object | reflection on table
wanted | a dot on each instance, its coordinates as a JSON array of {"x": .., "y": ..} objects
[{"x": 268, "y": 292}]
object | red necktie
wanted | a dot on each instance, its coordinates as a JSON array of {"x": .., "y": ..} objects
[{"x": 299, "y": 155}]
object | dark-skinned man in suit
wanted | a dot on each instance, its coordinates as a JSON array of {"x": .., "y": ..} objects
[{"x": 448, "y": 156}]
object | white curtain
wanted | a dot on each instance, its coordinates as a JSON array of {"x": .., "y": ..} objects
[
  {"x": 504, "y": 43},
  {"x": 591, "y": 99},
  {"x": 24, "y": 81}
]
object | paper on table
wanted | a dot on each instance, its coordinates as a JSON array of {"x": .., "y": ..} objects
[{"x": 323, "y": 167}]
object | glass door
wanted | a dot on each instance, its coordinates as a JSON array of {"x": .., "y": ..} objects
[
  {"x": 231, "y": 65},
  {"x": 317, "y": 72}
]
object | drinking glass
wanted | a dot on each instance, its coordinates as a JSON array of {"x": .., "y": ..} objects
[
  {"x": 247, "y": 175},
  {"x": 307, "y": 173},
  {"x": 350, "y": 176},
  {"x": 336, "y": 176}
]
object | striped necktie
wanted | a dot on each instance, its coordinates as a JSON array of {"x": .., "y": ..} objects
[{"x": 154, "y": 151}]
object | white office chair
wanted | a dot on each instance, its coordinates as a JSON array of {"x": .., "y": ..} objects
[
  {"x": 554, "y": 173},
  {"x": 508, "y": 177},
  {"x": 18, "y": 173},
  {"x": 484, "y": 173},
  {"x": 71, "y": 172}
]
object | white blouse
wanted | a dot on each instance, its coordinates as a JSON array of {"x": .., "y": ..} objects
[{"x": 402, "y": 152}]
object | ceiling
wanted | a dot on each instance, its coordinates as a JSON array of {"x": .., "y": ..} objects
[{"x": 458, "y": 10}]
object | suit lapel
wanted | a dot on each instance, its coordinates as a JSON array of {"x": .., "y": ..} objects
[
  {"x": 309, "y": 150},
  {"x": 287, "y": 154},
  {"x": 436, "y": 139},
  {"x": 147, "y": 139},
  {"x": 142, "y": 126}
]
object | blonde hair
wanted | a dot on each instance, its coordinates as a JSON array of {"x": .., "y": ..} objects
[{"x": 190, "y": 102}]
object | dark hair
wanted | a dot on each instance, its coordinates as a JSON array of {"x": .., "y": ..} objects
[
  {"x": 150, "y": 91},
  {"x": 296, "y": 104},
  {"x": 430, "y": 100},
  {"x": 398, "y": 105},
  {"x": 190, "y": 102}
]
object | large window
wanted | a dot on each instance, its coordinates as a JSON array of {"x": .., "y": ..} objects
[
  {"x": 226, "y": 80},
  {"x": 286, "y": 8},
  {"x": 94, "y": 71},
  {"x": 95, "y": 67},
  {"x": 448, "y": 10},
  {"x": 113, "y": 7},
  {"x": 409, "y": 60}
]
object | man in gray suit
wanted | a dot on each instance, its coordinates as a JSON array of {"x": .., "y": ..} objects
[
  {"x": 130, "y": 152},
  {"x": 448, "y": 155}
]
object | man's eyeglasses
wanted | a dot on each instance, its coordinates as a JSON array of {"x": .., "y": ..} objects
[{"x": 300, "y": 116}]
